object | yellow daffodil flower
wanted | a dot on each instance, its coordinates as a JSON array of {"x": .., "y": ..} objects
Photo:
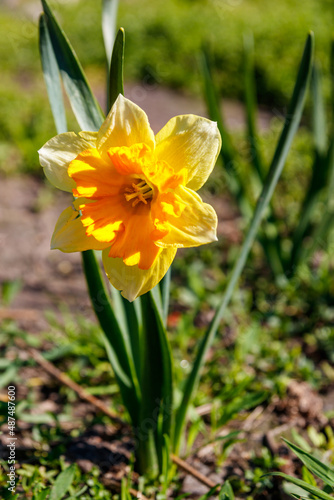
[{"x": 134, "y": 192}]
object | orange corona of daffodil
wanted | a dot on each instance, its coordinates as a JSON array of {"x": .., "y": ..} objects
[{"x": 134, "y": 192}]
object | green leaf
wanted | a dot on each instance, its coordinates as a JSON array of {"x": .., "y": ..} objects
[
  {"x": 117, "y": 344},
  {"x": 331, "y": 70},
  {"x": 250, "y": 101},
  {"x": 9, "y": 375},
  {"x": 226, "y": 492},
  {"x": 270, "y": 245},
  {"x": 318, "y": 237},
  {"x": 325, "y": 473},
  {"x": 246, "y": 402},
  {"x": 59, "y": 352},
  {"x": 52, "y": 76},
  {"x": 85, "y": 107},
  {"x": 42, "y": 495},
  {"x": 128, "y": 315},
  {"x": 116, "y": 86},
  {"x": 109, "y": 18},
  {"x": 318, "y": 112},
  {"x": 320, "y": 173},
  {"x": 296, "y": 492},
  {"x": 157, "y": 375},
  {"x": 308, "y": 477},
  {"x": 215, "y": 114},
  {"x": 290, "y": 127},
  {"x": 166, "y": 464},
  {"x": 9, "y": 290},
  {"x": 305, "y": 486},
  {"x": 165, "y": 294},
  {"x": 62, "y": 483},
  {"x": 210, "y": 493}
]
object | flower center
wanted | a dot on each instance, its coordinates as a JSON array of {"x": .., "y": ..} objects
[{"x": 138, "y": 192}]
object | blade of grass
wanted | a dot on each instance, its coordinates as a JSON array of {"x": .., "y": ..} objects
[
  {"x": 325, "y": 473},
  {"x": 156, "y": 383},
  {"x": 52, "y": 77},
  {"x": 84, "y": 105},
  {"x": 63, "y": 482},
  {"x": 227, "y": 153},
  {"x": 269, "y": 242},
  {"x": 331, "y": 70},
  {"x": 270, "y": 245},
  {"x": 127, "y": 317},
  {"x": 165, "y": 294},
  {"x": 320, "y": 171},
  {"x": 317, "y": 492},
  {"x": 116, "y": 345},
  {"x": 134, "y": 323},
  {"x": 290, "y": 128},
  {"x": 319, "y": 236},
  {"x": 226, "y": 492},
  {"x": 250, "y": 101},
  {"x": 319, "y": 113}
]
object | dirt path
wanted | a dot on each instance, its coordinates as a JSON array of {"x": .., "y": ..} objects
[{"x": 47, "y": 277}]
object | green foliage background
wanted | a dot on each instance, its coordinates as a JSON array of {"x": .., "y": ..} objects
[{"x": 162, "y": 44}]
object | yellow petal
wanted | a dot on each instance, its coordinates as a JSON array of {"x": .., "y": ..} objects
[
  {"x": 56, "y": 155},
  {"x": 135, "y": 244},
  {"x": 89, "y": 137},
  {"x": 190, "y": 142},
  {"x": 125, "y": 125},
  {"x": 133, "y": 281},
  {"x": 188, "y": 221},
  {"x": 102, "y": 218},
  {"x": 70, "y": 235},
  {"x": 93, "y": 176}
]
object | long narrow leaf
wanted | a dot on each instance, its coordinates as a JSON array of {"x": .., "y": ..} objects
[
  {"x": 62, "y": 483},
  {"x": 52, "y": 77},
  {"x": 313, "y": 464},
  {"x": 85, "y": 107},
  {"x": 134, "y": 322},
  {"x": 109, "y": 18},
  {"x": 317, "y": 492},
  {"x": 319, "y": 236},
  {"x": 290, "y": 127},
  {"x": 320, "y": 172},
  {"x": 318, "y": 112},
  {"x": 115, "y": 85},
  {"x": 165, "y": 294},
  {"x": 116, "y": 346},
  {"x": 269, "y": 242},
  {"x": 331, "y": 69},
  {"x": 157, "y": 382},
  {"x": 227, "y": 152},
  {"x": 127, "y": 317},
  {"x": 250, "y": 101},
  {"x": 226, "y": 492}
]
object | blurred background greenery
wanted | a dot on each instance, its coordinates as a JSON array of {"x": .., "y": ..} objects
[{"x": 163, "y": 40}]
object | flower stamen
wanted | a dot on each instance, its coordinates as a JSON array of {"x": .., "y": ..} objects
[{"x": 139, "y": 192}]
